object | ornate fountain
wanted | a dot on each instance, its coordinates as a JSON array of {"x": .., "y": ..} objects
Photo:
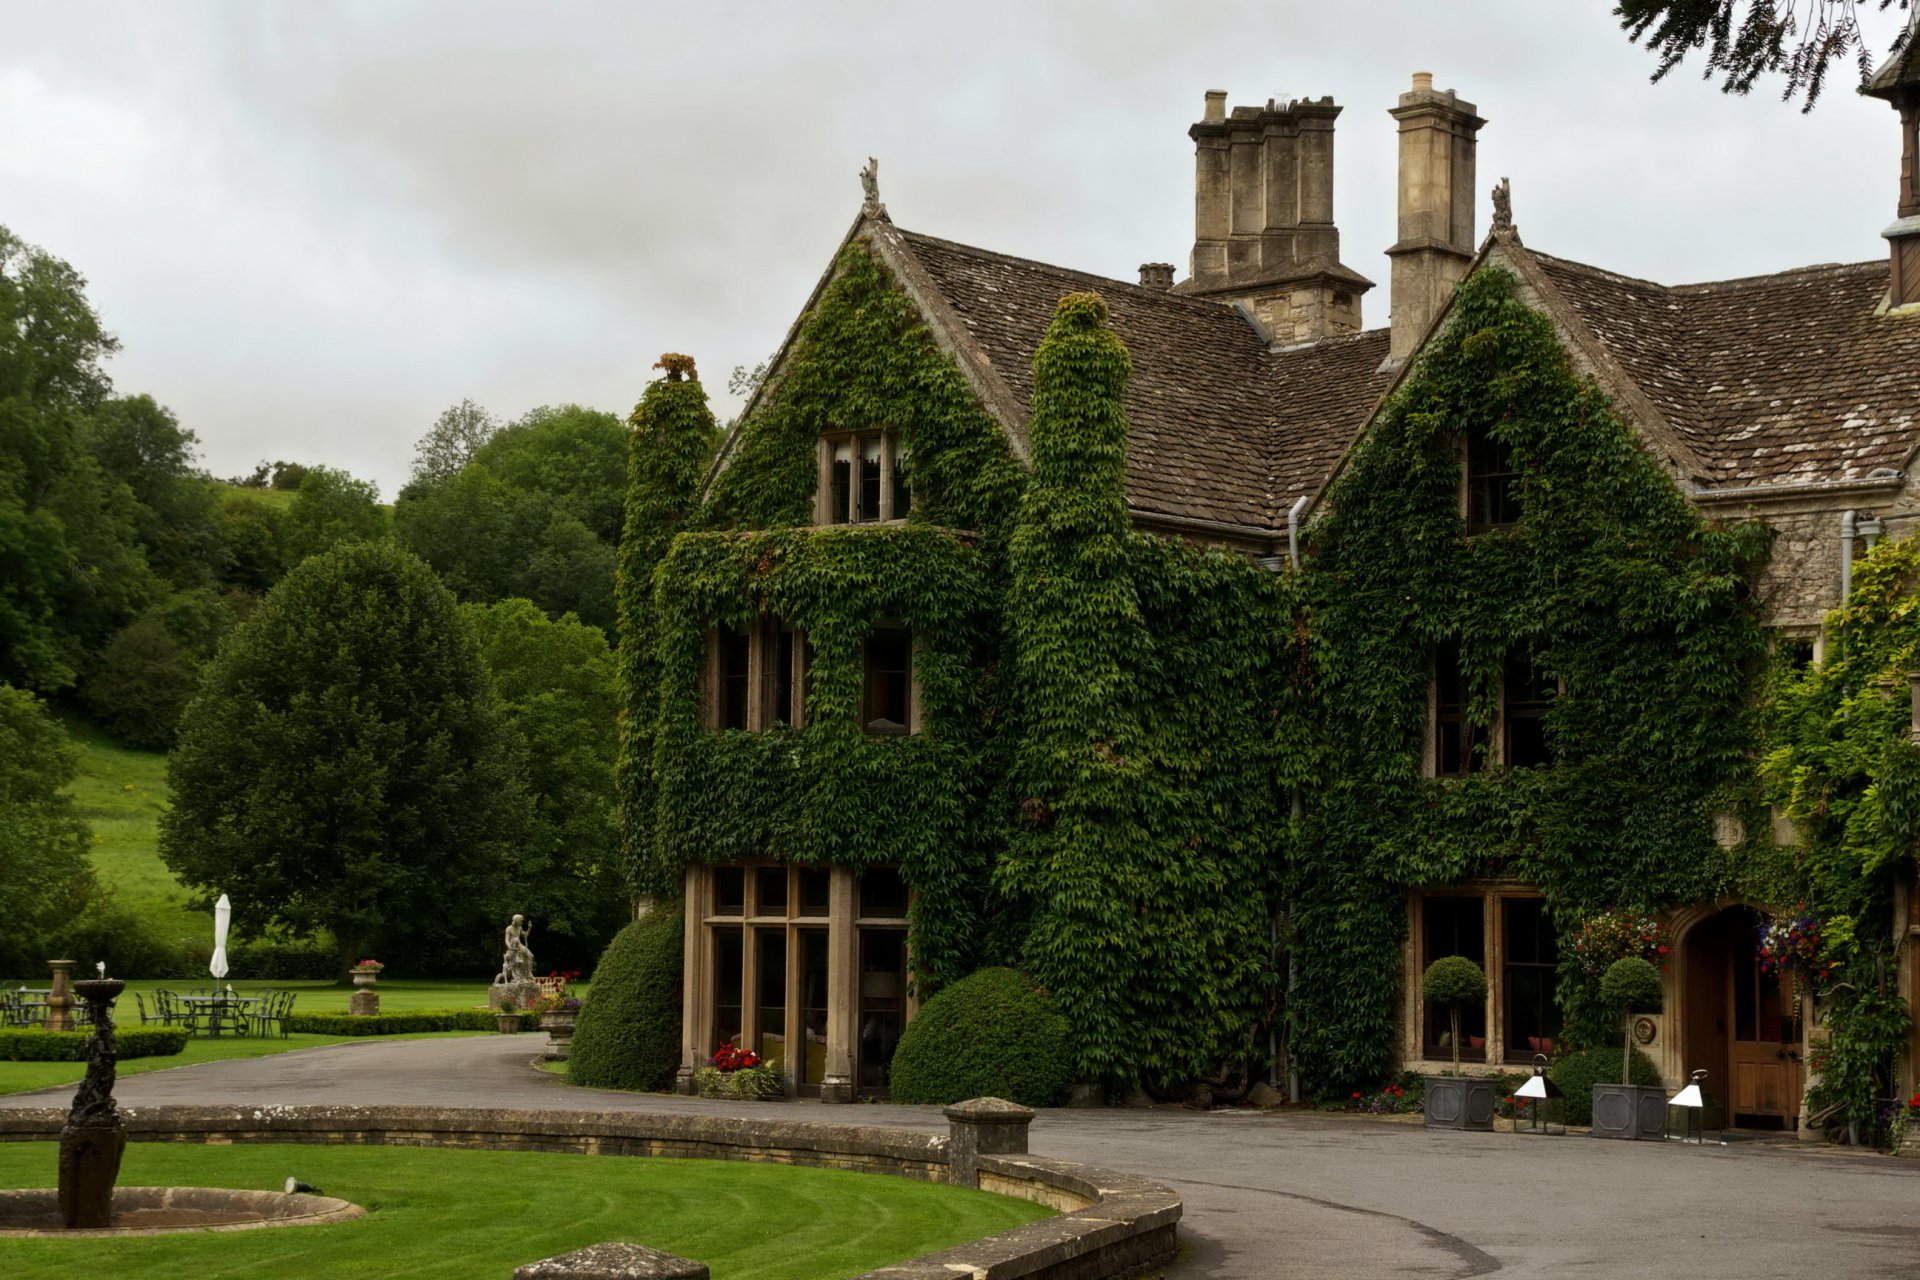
[{"x": 92, "y": 1141}]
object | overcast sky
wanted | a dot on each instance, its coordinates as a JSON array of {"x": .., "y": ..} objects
[{"x": 315, "y": 225}]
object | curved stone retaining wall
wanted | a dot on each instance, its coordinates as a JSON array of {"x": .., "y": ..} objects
[{"x": 1111, "y": 1224}]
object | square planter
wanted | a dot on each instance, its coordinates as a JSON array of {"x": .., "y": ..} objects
[
  {"x": 1460, "y": 1102},
  {"x": 1630, "y": 1111}
]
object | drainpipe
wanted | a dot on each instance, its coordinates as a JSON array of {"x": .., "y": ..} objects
[
  {"x": 1293, "y": 530},
  {"x": 1848, "y": 527}
]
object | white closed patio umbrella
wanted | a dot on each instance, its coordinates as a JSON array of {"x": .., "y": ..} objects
[{"x": 222, "y": 917}]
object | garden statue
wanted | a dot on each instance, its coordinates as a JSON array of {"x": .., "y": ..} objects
[{"x": 514, "y": 986}]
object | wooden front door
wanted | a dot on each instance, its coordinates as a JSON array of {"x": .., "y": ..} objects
[{"x": 1764, "y": 1068}]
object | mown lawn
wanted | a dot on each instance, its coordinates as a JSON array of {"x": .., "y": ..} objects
[{"x": 482, "y": 1213}]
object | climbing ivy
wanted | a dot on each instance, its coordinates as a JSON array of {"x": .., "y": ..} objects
[
  {"x": 1619, "y": 589},
  {"x": 1143, "y": 715},
  {"x": 1844, "y": 767},
  {"x": 672, "y": 436}
]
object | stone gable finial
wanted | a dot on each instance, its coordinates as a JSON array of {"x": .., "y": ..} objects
[
  {"x": 870, "y": 190},
  {"x": 1503, "y": 208}
]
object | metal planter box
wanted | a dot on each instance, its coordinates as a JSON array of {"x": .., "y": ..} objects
[
  {"x": 1460, "y": 1102},
  {"x": 1630, "y": 1111}
]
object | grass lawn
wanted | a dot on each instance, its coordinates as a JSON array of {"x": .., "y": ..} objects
[
  {"x": 481, "y": 1213},
  {"x": 122, "y": 792},
  {"x": 20, "y": 1077}
]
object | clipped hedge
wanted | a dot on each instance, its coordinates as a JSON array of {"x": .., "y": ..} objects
[
  {"x": 991, "y": 1034},
  {"x": 1578, "y": 1072},
  {"x": 407, "y": 1022},
  {"x": 628, "y": 1035},
  {"x": 31, "y": 1044}
]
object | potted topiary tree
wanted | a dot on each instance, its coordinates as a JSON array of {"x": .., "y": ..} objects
[
  {"x": 1628, "y": 1110},
  {"x": 1455, "y": 1101}
]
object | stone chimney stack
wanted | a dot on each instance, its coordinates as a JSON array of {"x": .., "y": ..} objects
[
  {"x": 1437, "y": 140},
  {"x": 1900, "y": 85},
  {"x": 1264, "y": 235},
  {"x": 1156, "y": 275}
]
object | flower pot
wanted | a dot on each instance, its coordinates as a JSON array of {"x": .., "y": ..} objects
[
  {"x": 1460, "y": 1102},
  {"x": 365, "y": 979},
  {"x": 1630, "y": 1111},
  {"x": 506, "y": 1023},
  {"x": 558, "y": 1024}
]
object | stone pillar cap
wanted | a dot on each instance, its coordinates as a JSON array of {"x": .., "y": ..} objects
[
  {"x": 613, "y": 1261},
  {"x": 989, "y": 1111}
]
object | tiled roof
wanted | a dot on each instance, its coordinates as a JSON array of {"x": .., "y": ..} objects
[
  {"x": 1220, "y": 428},
  {"x": 1768, "y": 380}
]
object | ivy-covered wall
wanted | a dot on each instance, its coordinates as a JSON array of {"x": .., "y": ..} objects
[
  {"x": 1621, "y": 591},
  {"x": 1143, "y": 763}
]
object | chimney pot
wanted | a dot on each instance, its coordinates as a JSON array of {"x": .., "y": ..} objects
[
  {"x": 1216, "y": 106},
  {"x": 1156, "y": 275},
  {"x": 1423, "y": 82}
]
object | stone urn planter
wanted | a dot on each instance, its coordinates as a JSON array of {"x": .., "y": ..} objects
[
  {"x": 558, "y": 1024},
  {"x": 362, "y": 978},
  {"x": 1630, "y": 1111},
  {"x": 506, "y": 1022},
  {"x": 1460, "y": 1102}
]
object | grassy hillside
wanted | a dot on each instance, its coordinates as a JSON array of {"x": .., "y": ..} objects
[
  {"x": 121, "y": 792},
  {"x": 278, "y": 498}
]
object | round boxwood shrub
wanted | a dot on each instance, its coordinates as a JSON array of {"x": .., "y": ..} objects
[
  {"x": 1455, "y": 982},
  {"x": 993, "y": 1034},
  {"x": 628, "y": 1034},
  {"x": 1630, "y": 983},
  {"x": 1578, "y": 1072}
]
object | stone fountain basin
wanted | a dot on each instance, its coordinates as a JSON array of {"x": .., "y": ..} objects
[{"x": 152, "y": 1211}]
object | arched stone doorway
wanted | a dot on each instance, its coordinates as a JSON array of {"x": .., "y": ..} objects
[{"x": 1740, "y": 1024}]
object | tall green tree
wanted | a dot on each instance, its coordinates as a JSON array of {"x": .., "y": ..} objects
[
  {"x": 450, "y": 444},
  {"x": 672, "y": 435},
  {"x": 535, "y": 513},
  {"x": 347, "y": 765},
  {"x": 555, "y": 679},
  {"x": 71, "y": 569},
  {"x": 43, "y": 841}
]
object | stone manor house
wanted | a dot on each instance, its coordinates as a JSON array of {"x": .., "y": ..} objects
[{"x": 1792, "y": 397}]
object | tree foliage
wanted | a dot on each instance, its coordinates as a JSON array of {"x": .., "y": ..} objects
[
  {"x": 329, "y": 509},
  {"x": 555, "y": 681},
  {"x": 451, "y": 443},
  {"x": 535, "y": 513},
  {"x": 346, "y": 765},
  {"x": 1747, "y": 39},
  {"x": 43, "y": 841}
]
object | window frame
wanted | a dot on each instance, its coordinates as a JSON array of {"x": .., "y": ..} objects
[
  {"x": 1482, "y": 487},
  {"x": 836, "y": 503},
  {"x": 1493, "y": 895}
]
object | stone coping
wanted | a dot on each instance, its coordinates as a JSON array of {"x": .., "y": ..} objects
[{"x": 1110, "y": 1225}]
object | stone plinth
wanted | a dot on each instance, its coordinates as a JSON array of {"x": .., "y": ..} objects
[
  {"x": 89, "y": 1166},
  {"x": 519, "y": 995},
  {"x": 60, "y": 998},
  {"x": 614, "y": 1261},
  {"x": 364, "y": 1003},
  {"x": 984, "y": 1127}
]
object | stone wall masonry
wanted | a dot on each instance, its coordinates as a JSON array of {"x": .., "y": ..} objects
[{"x": 1110, "y": 1225}]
